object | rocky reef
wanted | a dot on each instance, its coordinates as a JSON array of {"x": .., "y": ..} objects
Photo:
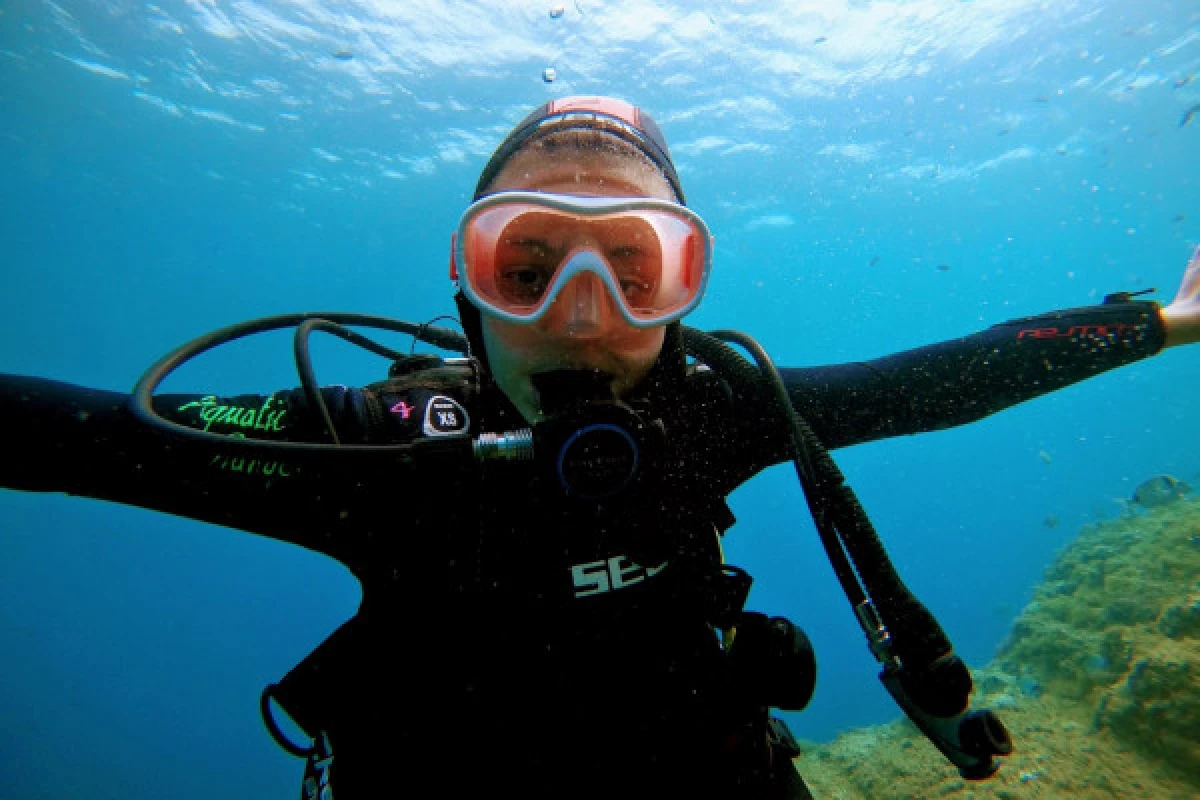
[{"x": 1098, "y": 683}]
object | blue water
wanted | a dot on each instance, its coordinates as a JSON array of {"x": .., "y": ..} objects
[{"x": 926, "y": 170}]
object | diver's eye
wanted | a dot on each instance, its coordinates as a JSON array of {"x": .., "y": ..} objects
[
  {"x": 523, "y": 284},
  {"x": 630, "y": 264},
  {"x": 637, "y": 292},
  {"x": 524, "y": 267}
]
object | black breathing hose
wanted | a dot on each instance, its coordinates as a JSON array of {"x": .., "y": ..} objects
[{"x": 858, "y": 557}]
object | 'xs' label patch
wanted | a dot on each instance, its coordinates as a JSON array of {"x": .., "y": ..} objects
[
  {"x": 610, "y": 574},
  {"x": 445, "y": 417}
]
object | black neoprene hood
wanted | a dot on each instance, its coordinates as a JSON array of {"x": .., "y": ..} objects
[{"x": 605, "y": 114}]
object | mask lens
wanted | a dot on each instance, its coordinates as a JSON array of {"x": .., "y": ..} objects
[
  {"x": 680, "y": 259},
  {"x": 518, "y": 255}
]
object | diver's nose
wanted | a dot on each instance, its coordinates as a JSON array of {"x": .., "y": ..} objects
[{"x": 584, "y": 306}]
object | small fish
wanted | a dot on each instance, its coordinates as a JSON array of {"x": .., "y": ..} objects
[
  {"x": 557, "y": 11},
  {"x": 1159, "y": 491},
  {"x": 821, "y": 40},
  {"x": 1189, "y": 115},
  {"x": 1045, "y": 457},
  {"x": 943, "y": 267},
  {"x": 874, "y": 260},
  {"x": 343, "y": 54},
  {"x": 1179, "y": 83},
  {"x": 1051, "y": 521},
  {"x": 1180, "y": 218},
  {"x": 549, "y": 75}
]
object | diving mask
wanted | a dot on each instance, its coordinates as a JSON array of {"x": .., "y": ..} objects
[{"x": 515, "y": 252}]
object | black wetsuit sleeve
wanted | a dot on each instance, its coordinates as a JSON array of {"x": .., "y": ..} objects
[
  {"x": 58, "y": 437},
  {"x": 966, "y": 379}
]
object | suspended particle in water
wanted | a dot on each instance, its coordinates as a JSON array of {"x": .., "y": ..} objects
[
  {"x": 557, "y": 11},
  {"x": 549, "y": 75}
]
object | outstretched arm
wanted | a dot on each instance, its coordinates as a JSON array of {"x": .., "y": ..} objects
[
  {"x": 963, "y": 380},
  {"x": 59, "y": 437}
]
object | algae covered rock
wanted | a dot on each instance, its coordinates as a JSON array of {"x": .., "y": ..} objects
[
  {"x": 1109, "y": 601},
  {"x": 1155, "y": 707},
  {"x": 1126, "y": 639},
  {"x": 1098, "y": 682}
]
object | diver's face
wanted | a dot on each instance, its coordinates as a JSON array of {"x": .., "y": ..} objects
[{"x": 560, "y": 340}]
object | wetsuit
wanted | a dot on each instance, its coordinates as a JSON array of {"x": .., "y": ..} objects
[{"x": 511, "y": 639}]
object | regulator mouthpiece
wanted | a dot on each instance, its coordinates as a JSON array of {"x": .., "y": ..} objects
[{"x": 563, "y": 390}]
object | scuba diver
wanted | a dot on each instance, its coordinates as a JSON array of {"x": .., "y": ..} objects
[{"x": 536, "y": 523}]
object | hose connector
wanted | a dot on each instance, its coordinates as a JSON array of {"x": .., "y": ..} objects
[{"x": 508, "y": 446}]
